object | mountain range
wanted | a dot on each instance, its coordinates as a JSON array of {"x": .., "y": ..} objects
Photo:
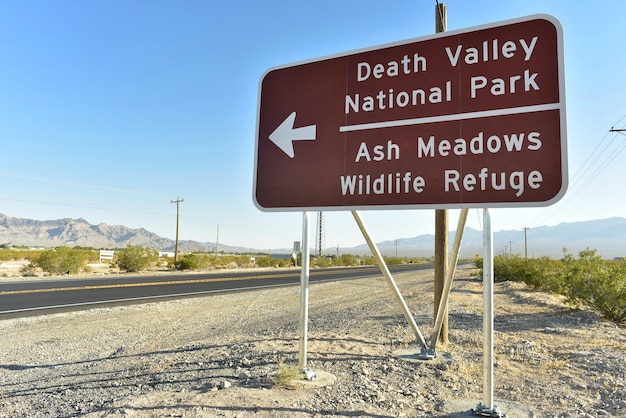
[
  {"x": 79, "y": 232},
  {"x": 607, "y": 236}
]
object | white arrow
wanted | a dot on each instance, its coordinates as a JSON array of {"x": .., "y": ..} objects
[{"x": 285, "y": 134}]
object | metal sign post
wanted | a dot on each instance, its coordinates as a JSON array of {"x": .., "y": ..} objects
[
  {"x": 487, "y": 408},
  {"x": 304, "y": 291}
]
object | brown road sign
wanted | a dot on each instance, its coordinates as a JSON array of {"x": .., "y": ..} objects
[{"x": 468, "y": 118}]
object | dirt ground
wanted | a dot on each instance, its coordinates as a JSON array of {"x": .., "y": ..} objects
[{"x": 219, "y": 355}]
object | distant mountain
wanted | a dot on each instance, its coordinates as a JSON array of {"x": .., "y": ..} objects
[
  {"x": 607, "y": 236},
  {"x": 79, "y": 232}
]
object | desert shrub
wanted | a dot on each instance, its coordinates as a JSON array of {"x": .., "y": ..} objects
[
  {"x": 62, "y": 260},
  {"x": 188, "y": 262},
  {"x": 230, "y": 261},
  {"x": 322, "y": 262},
  {"x": 347, "y": 260},
  {"x": 479, "y": 263},
  {"x": 238, "y": 260},
  {"x": 30, "y": 255},
  {"x": 8, "y": 254},
  {"x": 195, "y": 260},
  {"x": 594, "y": 282},
  {"x": 28, "y": 270},
  {"x": 204, "y": 260},
  {"x": 263, "y": 261},
  {"x": 368, "y": 261},
  {"x": 134, "y": 258},
  {"x": 587, "y": 280},
  {"x": 286, "y": 375},
  {"x": 541, "y": 273},
  {"x": 93, "y": 256},
  {"x": 393, "y": 260},
  {"x": 267, "y": 261}
]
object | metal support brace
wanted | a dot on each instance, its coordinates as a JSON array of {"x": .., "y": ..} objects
[{"x": 392, "y": 284}]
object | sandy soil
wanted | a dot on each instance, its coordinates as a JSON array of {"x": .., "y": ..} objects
[{"x": 218, "y": 355}]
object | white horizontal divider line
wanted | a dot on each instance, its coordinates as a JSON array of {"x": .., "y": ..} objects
[{"x": 447, "y": 118}]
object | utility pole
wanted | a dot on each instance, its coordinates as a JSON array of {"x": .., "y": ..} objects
[
  {"x": 525, "y": 242},
  {"x": 217, "y": 239},
  {"x": 177, "y": 201},
  {"x": 441, "y": 215}
]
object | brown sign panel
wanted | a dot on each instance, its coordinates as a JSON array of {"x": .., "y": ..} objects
[{"x": 472, "y": 118}]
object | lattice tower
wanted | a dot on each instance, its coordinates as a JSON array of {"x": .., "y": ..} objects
[{"x": 320, "y": 236}]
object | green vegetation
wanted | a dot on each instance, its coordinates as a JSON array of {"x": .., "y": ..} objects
[
  {"x": 286, "y": 375},
  {"x": 186, "y": 263},
  {"x": 585, "y": 280},
  {"x": 8, "y": 254},
  {"x": 130, "y": 256},
  {"x": 594, "y": 282},
  {"x": 19, "y": 253},
  {"x": 267, "y": 261},
  {"x": 62, "y": 260},
  {"x": 352, "y": 260},
  {"x": 202, "y": 260},
  {"x": 134, "y": 258},
  {"x": 347, "y": 260},
  {"x": 65, "y": 260}
]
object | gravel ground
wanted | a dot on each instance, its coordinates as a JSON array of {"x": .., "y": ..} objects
[{"x": 216, "y": 356}]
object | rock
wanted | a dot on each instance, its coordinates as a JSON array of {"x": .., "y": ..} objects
[
  {"x": 310, "y": 375},
  {"x": 555, "y": 366}
]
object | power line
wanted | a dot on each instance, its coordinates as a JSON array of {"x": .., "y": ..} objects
[
  {"x": 93, "y": 187},
  {"x": 592, "y": 167}
]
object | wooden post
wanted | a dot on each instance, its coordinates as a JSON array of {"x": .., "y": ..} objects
[
  {"x": 441, "y": 261},
  {"x": 441, "y": 215}
]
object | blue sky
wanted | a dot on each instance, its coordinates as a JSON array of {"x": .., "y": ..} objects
[{"x": 111, "y": 109}]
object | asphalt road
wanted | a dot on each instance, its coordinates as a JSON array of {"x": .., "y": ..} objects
[{"x": 39, "y": 297}]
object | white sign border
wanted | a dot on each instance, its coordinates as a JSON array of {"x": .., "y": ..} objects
[{"x": 560, "y": 106}]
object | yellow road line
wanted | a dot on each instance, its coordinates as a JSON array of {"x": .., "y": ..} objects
[
  {"x": 171, "y": 282},
  {"x": 122, "y": 285}
]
